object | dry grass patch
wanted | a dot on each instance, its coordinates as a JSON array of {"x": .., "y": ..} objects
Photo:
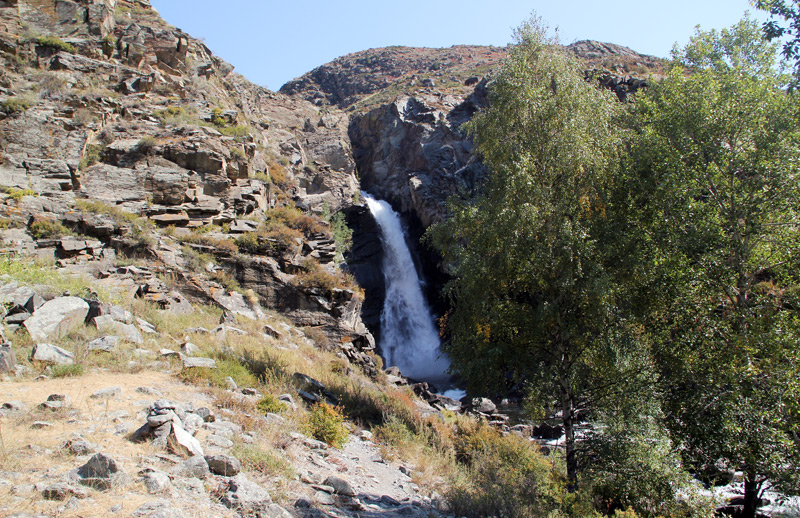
[
  {"x": 88, "y": 417},
  {"x": 36, "y": 454}
]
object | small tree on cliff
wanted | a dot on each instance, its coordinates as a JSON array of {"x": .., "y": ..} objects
[
  {"x": 719, "y": 149},
  {"x": 534, "y": 294}
]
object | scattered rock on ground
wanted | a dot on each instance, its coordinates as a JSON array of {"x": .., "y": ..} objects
[
  {"x": 224, "y": 465},
  {"x": 245, "y": 496},
  {"x": 56, "y": 317},
  {"x": 49, "y": 353},
  {"x": 100, "y": 472},
  {"x": 340, "y": 486}
]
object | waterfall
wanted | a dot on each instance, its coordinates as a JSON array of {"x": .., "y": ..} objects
[{"x": 409, "y": 338}]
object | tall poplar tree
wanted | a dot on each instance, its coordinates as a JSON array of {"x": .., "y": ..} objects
[
  {"x": 718, "y": 147},
  {"x": 533, "y": 297}
]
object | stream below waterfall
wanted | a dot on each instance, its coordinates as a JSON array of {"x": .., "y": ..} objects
[{"x": 409, "y": 337}]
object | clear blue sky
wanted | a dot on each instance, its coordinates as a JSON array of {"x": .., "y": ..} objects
[{"x": 271, "y": 42}]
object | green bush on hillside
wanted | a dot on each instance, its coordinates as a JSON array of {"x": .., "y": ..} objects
[
  {"x": 15, "y": 105},
  {"x": 54, "y": 42},
  {"x": 326, "y": 423},
  {"x": 48, "y": 229}
]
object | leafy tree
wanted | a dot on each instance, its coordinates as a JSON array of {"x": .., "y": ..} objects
[
  {"x": 534, "y": 294},
  {"x": 789, "y": 10},
  {"x": 718, "y": 150}
]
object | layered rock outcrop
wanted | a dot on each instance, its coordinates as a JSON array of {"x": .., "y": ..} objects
[
  {"x": 413, "y": 153},
  {"x": 112, "y": 121}
]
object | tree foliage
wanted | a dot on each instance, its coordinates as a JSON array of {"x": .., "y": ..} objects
[
  {"x": 789, "y": 10},
  {"x": 534, "y": 286},
  {"x": 718, "y": 149},
  {"x": 636, "y": 272}
]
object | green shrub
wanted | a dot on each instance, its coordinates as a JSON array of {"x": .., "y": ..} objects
[
  {"x": 48, "y": 229},
  {"x": 146, "y": 144},
  {"x": 54, "y": 42},
  {"x": 178, "y": 116},
  {"x": 249, "y": 242},
  {"x": 67, "y": 371},
  {"x": 216, "y": 117},
  {"x": 17, "y": 194},
  {"x": 227, "y": 280},
  {"x": 278, "y": 173},
  {"x": 270, "y": 404},
  {"x": 196, "y": 261},
  {"x": 633, "y": 465},
  {"x": 91, "y": 156},
  {"x": 326, "y": 423},
  {"x": 269, "y": 240},
  {"x": 227, "y": 366},
  {"x": 507, "y": 476},
  {"x": 342, "y": 235},
  {"x": 233, "y": 367},
  {"x": 295, "y": 218},
  {"x": 119, "y": 215},
  {"x": 237, "y": 131},
  {"x": 314, "y": 276},
  {"x": 238, "y": 155},
  {"x": 168, "y": 112},
  {"x": 16, "y": 105}
]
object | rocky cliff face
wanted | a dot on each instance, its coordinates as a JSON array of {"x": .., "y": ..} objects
[
  {"x": 108, "y": 109},
  {"x": 119, "y": 102},
  {"x": 413, "y": 153}
]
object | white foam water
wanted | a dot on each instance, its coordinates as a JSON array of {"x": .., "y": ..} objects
[{"x": 409, "y": 338}]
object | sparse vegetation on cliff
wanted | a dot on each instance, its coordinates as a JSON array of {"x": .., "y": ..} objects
[{"x": 54, "y": 42}]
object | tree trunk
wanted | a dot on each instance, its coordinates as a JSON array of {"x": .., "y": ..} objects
[
  {"x": 751, "y": 499},
  {"x": 567, "y": 413}
]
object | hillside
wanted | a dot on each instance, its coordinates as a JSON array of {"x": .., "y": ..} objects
[{"x": 362, "y": 80}]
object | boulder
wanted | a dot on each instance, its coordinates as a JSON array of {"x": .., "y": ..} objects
[
  {"x": 61, "y": 491},
  {"x": 13, "y": 406},
  {"x": 240, "y": 226},
  {"x": 155, "y": 481},
  {"x": 8, "y": 359},
  {"x": 340, "y": 486},
  {"x": 100, "y": 472},
  {"x": 107, "y": 324},
  {"x": 21, "y": 296},
  {"x": 275, "y": 511},
  {"x": 105, "y": 343},
  {"x": 224, "y": 465},
  {"x": 79, "y": 447},
  {"x": 55, "y": 317},
  {"x": 271, "y": 331},
  {"x": 245, "y": 496},
  {"x": 192, "y": 362},
  {"x": 181, "y": 442},
  {"x": 106, "y": 393},
  {"x": 483, "y": 405},
  {"x": 190, "y": 348},
  {"x": 206, "y": 414},
  {"x": 48, "y": 353},
  {"x": 196, "y": 467},
  {"x": 157, "y": 509}
]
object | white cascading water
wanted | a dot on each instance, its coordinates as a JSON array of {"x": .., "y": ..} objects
[{"x": 409, "y": 339}]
